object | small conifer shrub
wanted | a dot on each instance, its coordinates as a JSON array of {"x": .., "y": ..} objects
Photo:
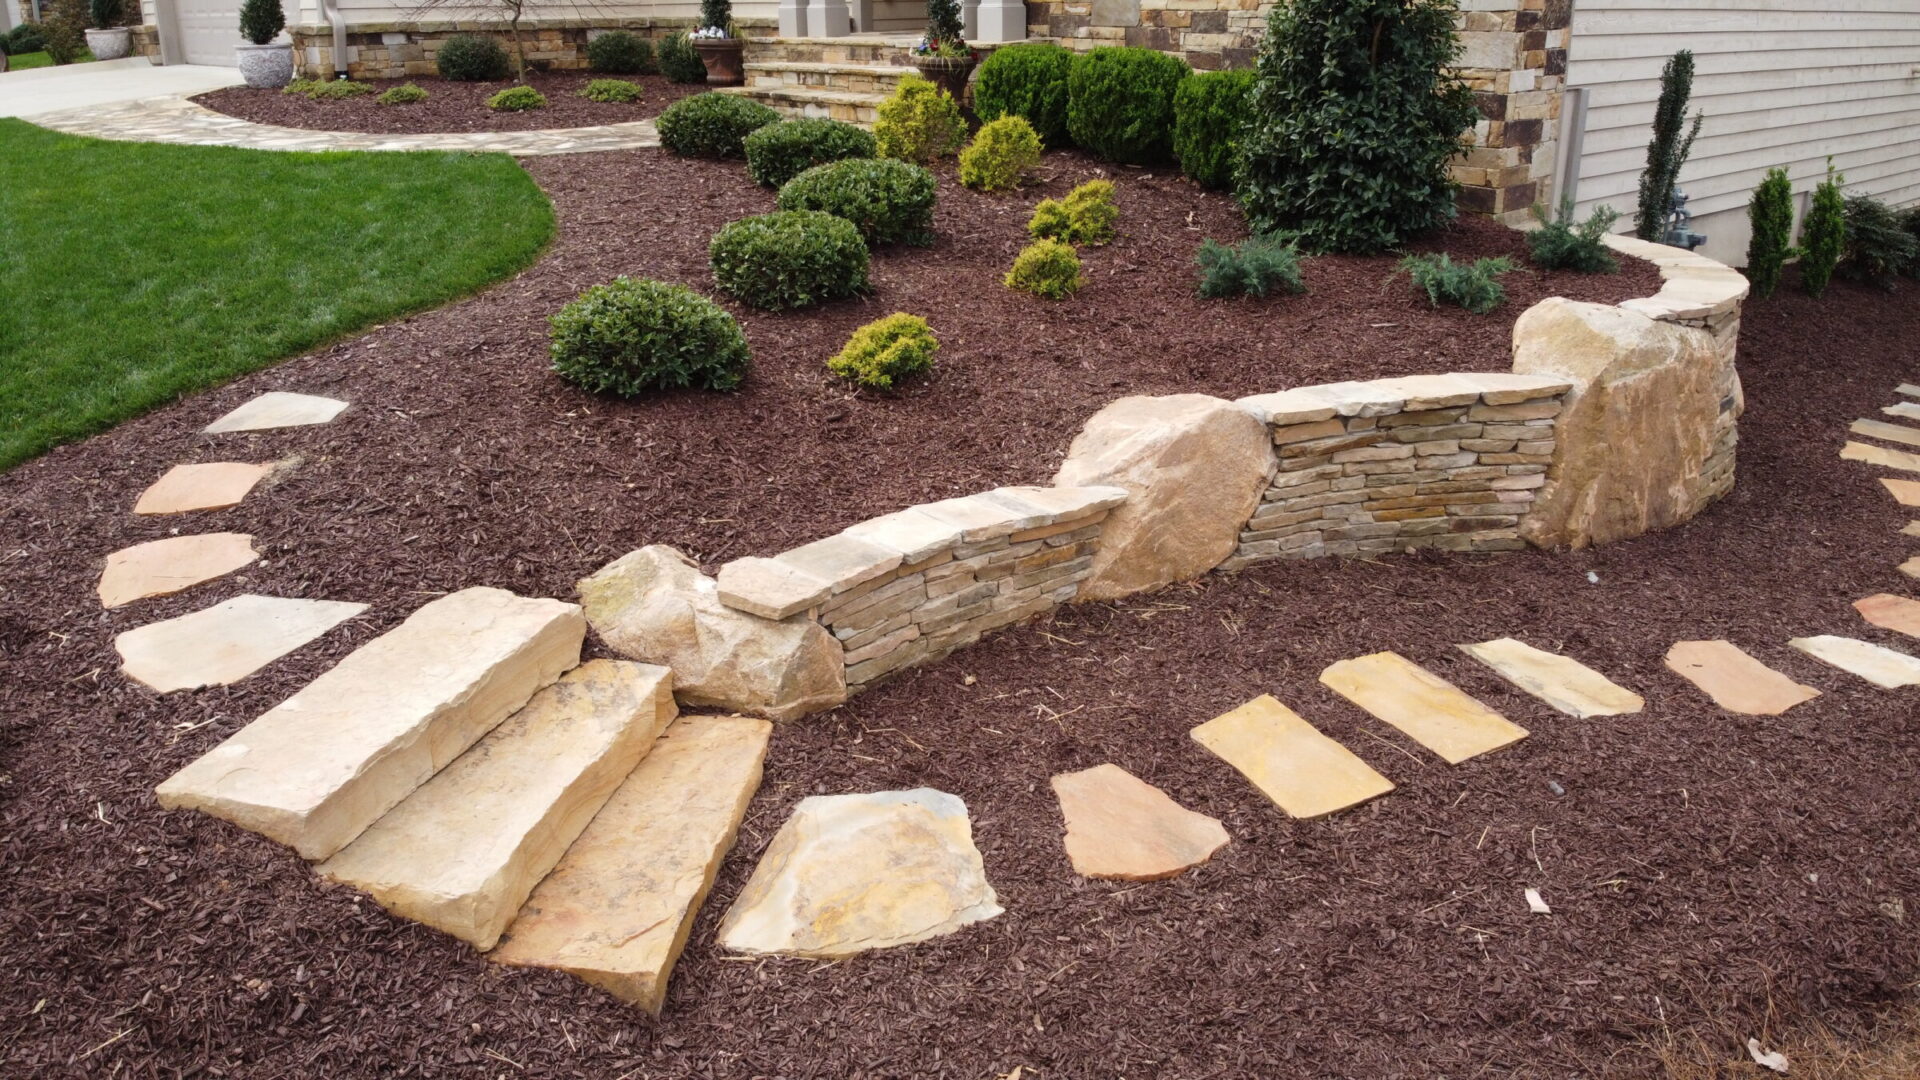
[
  {"x": 919, "y": 122},
  {"x": 517, "y": 99},
  {"x": 1823, "y": 236},
  {"x": 1258, "y": 266},
  {"x": 886, "y": 351},
  {"x": 1085, "y": 216},
  {"x": 611, "y": 91},
  {"x": 1003, "y": 151},
  {"x": 1560, "y": 243},
  {"x": 1474, "y": 286},
  {"x": 404, "y": 94},
  {"x": 1668, "y": 149},
  {"x": 1879, "y": 248},
  {"x": 1046, "y": 268},
  {"x": 1771, "y": 216}
]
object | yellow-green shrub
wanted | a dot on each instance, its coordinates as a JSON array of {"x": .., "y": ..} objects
[
  {"x": 1002, "y": 152},
  {"x": 919, "y": 122},
  {"x": 1046, "y": 268},
  {"x": 1085, "y": 216},
  {"x": 885, "y": 350}
]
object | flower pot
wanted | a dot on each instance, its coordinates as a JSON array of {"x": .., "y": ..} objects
[
  {"x": 265, "y": 67},
  {"x": 722, "y": 57},
  {"x": 112, "y": 43},
  {"x": 949, "y": 73}
]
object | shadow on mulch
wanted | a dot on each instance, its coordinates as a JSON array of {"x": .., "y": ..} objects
[
  {"x": 451, "y": 106},
  {"x": 1698, "y": 863}
]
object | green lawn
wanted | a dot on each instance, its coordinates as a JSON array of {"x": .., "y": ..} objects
[
  {"x": 134, "y": 273},
  {"x": 40, "y": 59}
]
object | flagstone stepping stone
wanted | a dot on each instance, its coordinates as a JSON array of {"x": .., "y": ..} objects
[
  {"x": 1911, "y": 567},
  {"x": 162, "y": 567},
  {"x": 214, "y": 485},
  {"x": 1734, "y": 680},
  {"x": 1880, "y": 429},
  {"x": 1912, "y": 529},
  {"x": 1889, "y": 612},
  {"x": 314, "y": 771},
  {"x": 278, "y": 409},
  {"x": 463, "y": 852},
  {"x": 1908, "y": 389},
  {"x": 848, "y": 873},
  {"x": 1561, "y": 681},
  {"x": 617, "y": 909},
  {"x": 1906, "y": 410},
  {"x": 1426, "y": 708},
  {"x": 1881, "y": 456},
  {"x": 1305, "y": 773},
  {"x": 1119, "y": 826},
  {"x": 227, "y": 642},
  {"x": 1904, "y": 492},
  {"x": 1887, "y": 668}
]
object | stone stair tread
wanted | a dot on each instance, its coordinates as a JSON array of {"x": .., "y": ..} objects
[
  {"x": 462, "y": 853},
  {"x": 827, "y": 67},
  {"x": 805, "y": 95},
  {"x": 314, "y": 771}
]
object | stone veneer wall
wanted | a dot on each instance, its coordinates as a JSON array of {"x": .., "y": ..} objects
[{"x": 394, "y": 50}]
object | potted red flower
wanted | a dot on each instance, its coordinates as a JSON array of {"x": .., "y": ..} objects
[{"x": 719, "y": 48}]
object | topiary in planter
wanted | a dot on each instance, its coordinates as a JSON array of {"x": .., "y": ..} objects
[
  {"x": 712, "y": 125},
  {"x": 890, "y": 202},
  {"x": 1028, "y": 80},
  {"x": 679, "y": 62},
  {"x": 789, "y": 259},
  {"x": 262, "y": 20},
  {"x": 1085, "y": 216},
  {"x": 627, "y": 337},
  {"x": 611, "y": 91},
  {"x": 472, "y": 58},
  {"x": 885, "y": 351},
  {"x": 1002, "y": 152},
  {"x": 517, "y": 99},
  {"x": 918, "y": 122},
  {"x": 1210, "y": 114},
  {"x": 1046, "y": 268},
  {"x": 617, "y": 52},
  {"x": 779, "y": 152},
  {"x": 1120, "y": 103}
]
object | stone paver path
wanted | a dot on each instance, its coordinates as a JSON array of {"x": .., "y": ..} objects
[
  {"x": 1304, "y": 772},
  {"x": 225, "y": 643},
  {"x": 278, "y": 409},
  {"x": 1880, "y": 429},
  {"x": 1880, "y": 455},
  {"x": 1425, "y": 707},
  {"x": 178, "y": 120},
  {"x": 1734, "y": 680},
  {"x": 1905, "y": 492},
  {"x": 1889, "y": 612},
  {"x": 214, "y": 485},
  {"x": 1562, "y": 682},
  {"x": 1886, "y": 668},
  {"x": 1121, "y": 827},
  {"x": 1905, "y": 410},
  {"x": 163, "y": 567}
]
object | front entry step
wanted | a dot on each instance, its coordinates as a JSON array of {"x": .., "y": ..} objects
[
  {"x": 800, "y": 101},
  {"x": 845, "y": 78}
]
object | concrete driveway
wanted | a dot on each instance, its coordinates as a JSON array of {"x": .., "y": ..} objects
[{"x": 104, "y": 82}]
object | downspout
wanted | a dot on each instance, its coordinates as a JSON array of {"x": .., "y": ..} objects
[{"x": 330, "y": 10}]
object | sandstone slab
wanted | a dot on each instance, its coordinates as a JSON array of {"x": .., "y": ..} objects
[
  {"x": 914, "y": 535},
  {"x": 1889, "y": 612},
  {"x": 1905, "y": 410},
  {"x": 213, "y": 485},
  {"x": 462, "y": 853},
  {"x": 1911, "y": 567},
  {"x": 848, "y": 873},
  {"x": 226, "y": 642},
  {"x": 1121, "y": 827},
  {"x": 278, "y": 409},
  {"x": 1426, "y": 708},
  {"x": 1904, "y": 492},
  {"x": 1194, "y": 468},
  {"x": 1880, "y": 429},
  {"x": 314, "y": 771},
  {"x": 1879, "y": 665},
  {"x": 769, "y": 588},
  {"x": 1881, "y": 456},
  {"x": 1561, "y": 681},
  {"x": 1304, "y": 772},
  {"x": 163, "y": 567},
  {"x": 617, "y": 909},
  {"x": 1912, "y": 528},
  {"x": 654, "y": 605},
  {"x": 1734, "y": 680},
  {"x": 1908, "y": 389}
]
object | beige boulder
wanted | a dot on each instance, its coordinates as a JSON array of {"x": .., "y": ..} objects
[
  {"x": 1193, "y": 466},
  {"x": 1640, "y": 424},
  {"x": 654, "y": 605}
]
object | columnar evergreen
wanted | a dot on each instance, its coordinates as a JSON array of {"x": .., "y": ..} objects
[
  {"x": 1669, "y": 149},
  {"x": 1823, "y": 236},
  {"x": 1771, "y": 215}
]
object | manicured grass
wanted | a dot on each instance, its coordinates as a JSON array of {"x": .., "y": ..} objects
[
  {"x": 40, "y": 59},
  {"x": 134, "y": 273}
]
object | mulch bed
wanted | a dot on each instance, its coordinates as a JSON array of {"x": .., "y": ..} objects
[
  {"x": 1703, "y": 868},
  {"x": 451, "y": 106}
]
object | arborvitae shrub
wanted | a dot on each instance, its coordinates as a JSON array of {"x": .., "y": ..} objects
[
  {"x": 1046, "y": 268},
  {"x": 629, "y": 336},
  {"x": 1879, "y": 248},
  {"x": 619, "y": 53},
  {"x": 1356, "y": 111},
  {"x": 1002, "y": 152},
  {"x": 890, "y": 202},
  {"x": 919, "y": 122},
  {"x": 404, "y": 94},
  {"x": 1258, "y": 266},
  {"x": 1560, "y": 243},
  {"x": 611, "y": 91},
  {"x": 712, "y": 125},
  {"x": 678, "y": 60},
  {"x": 1668, "y": 149},
  {"x": 885, "y": 351},
  {"x": 472, "y": 58},
  {"x": 260, "y": 20},
  {"x": 779, "y": 152},
  {"x": 517, "y": 99},
  {"x": 1085, "y": 216},
  {"x": 1210, "y": 111},
  {"x": 1474, "y": 286},
  {"x": 1823, "y": 236},
  {"x": 789, "y": 259},
  {"x": 1120, "y": 103},
  {"x": 1771, "y": 216},
  {"x": 1029, "y": 80}
]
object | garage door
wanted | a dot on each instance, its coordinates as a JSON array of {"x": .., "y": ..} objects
[{"x": 209, "y": 29}]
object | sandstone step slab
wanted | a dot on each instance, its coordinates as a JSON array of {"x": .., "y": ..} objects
[
  {"x": 1881, "y": 456},
  {"x": 278, "y": 409},
  {"x": 314, "y": 771},
  {"x": 1880, "y": 429},
  {"x": 1123, "y": 828},
  {"x": 225, "y": 643},
  {"x": 1904, "y": 492},
  {"x": 1889, "y": 612},
  {"x": 1908, "y": 389},
  {"x": 1304, "y": 772},
  {"x": 212, "y": 485},
  {"x": 1562, "y": 682},
  {"x": 1886, "y": 668},
  {"x": 1426, "y": 708},
  {"x": 845, "y": 77},
  {"x": 795, "y": 101},
  {"x": 1905, "y": 410},
  {"x": 462, "y": 853},
  {"x": 617, "y": 909},
  {"x": 1734, "y": 680},
  {"x": 164, "y": 567}
]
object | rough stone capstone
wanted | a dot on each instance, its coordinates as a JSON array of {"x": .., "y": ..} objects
[
  {"x": 1119, "y": 826},
  {"x": 654, "y": 605},
  {"x": 1194, "y": 468}
]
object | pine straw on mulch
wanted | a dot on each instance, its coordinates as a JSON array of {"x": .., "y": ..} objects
[
  {"x": 451, "y": 105},
  {"x": 1700, "y": 865}
]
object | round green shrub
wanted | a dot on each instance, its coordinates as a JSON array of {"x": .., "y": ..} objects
[
  {"x": 886, "y": 350},
  {"x": 517, "y": 99},
  {"x": 1210, "y": 111},
  {"x": 918, "y": 122},
  {"x": 779, "y": 152},
  {"x": 1029, "y": 80},
  {"x": 617, "y": 52},
  {"x": 1120, "y": 103},
  {"x": 678, "y": 60},
  {"x": 789, "y": 259},
  {"x": 1002, "y": 152},
  {"x": 405, "y": 94},
  {"x": 890, "y": 202},
  {"x": 611, "y": 91},
  {"x": 1046, "y": 268},
  {"x": 628, "y": 336},
  {"x": 712, "y": 125},
  {"x": 472, "y": 58}
]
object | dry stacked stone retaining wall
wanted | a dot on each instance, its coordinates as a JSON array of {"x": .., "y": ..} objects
[{"x": 394, "y": 50}]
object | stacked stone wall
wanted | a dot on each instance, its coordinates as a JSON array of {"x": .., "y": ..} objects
[{"x": 406, "y": 49}]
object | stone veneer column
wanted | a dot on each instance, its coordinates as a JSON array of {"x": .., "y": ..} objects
[{"x": 1514, "y": 55}]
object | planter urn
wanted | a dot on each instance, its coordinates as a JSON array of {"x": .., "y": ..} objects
[
  {"x": 113, "y": 43},
  {"x": 949, "y": 73},
  {"x": 723, "y": 59},
  {"x": 265, "y": 67}
]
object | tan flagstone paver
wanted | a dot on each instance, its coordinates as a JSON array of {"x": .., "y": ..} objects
[
  {"x": 1561, "y": 681},
  {"x": 1889, "y": 612},
  {"x": 1734, "y": 680},
  {"x": 227, "y": 642},
  {"x": 1304, "y": 772},
  {"x": 1906, "y": 410},
  {"x": 214, "y": 485},
  {"x": 1908, "y": 389},
  {"x": 1904, "y": 492},
  {"x": 1880, "y": 429},
  {"x": 1427, "y": 708},
  {"x": 1912, "y": 528},
  {"x": 1879, "y": 665},
  {"x": 161, "y": 567},
  {"x": 1119, "y": 826},
  {"x": 1880, "y": 455},
  {"x": 278, "y": 409},
  {"x": 1911, "y": 567}
]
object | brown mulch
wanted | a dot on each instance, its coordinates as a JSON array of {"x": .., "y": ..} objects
[
  {"x": 1702, "y": 867},
  {"x": 451, "y": 106}
]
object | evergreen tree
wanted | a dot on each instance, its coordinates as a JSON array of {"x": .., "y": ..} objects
[
  {"x": 943, "y": 22},
  {"x": 1668, "y": 150},
  {"x": 1771, "y": 215},
  {"x": 262, "y": 20},
  {"x": 1823, "y": 236}
]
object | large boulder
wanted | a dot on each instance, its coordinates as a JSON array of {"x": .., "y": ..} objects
[
  {"x": 654, "y": 605},
  {"x": 1645, "y": 440},
  {"x": 1193, "y": 466}
]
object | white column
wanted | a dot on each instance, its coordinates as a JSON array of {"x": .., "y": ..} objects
[
  {"x": 827, "y": 18},
  {"x": 970, "y": 19},
  {"x": 793, "y": 18},
  {"x": 1000, "y": 21}
]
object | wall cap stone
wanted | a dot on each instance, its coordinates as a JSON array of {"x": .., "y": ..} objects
[{"x": 1692, "y": 286}]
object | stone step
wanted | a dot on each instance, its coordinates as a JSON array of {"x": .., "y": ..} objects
[
  {"x": 794, "y": 101},
  {"x": 840, "y": 50},
  {"x": 314, "y": 771},
  {"x": 1426, "y": 708},
  {"x": 463, "y": 852},
  {"x": 847, "y": 78},
  {"x": 617, "y": 909}
]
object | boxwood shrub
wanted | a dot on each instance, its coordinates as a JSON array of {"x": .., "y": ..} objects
[
  {"x": 890, "y": 202},
  {"x": 1120, "y": 103},
  {"x": 472, "y": 58},
  {"x": 789, "y": 259},
  {"x": 618, "y": 52},
  {"x": 712, "y": 125},
  {"x": 1027, "y": 80},
  {"x": 627, "y": 337},
  {"x": 1210, "y": 111},
  {"x": 779, "y": 152}
]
